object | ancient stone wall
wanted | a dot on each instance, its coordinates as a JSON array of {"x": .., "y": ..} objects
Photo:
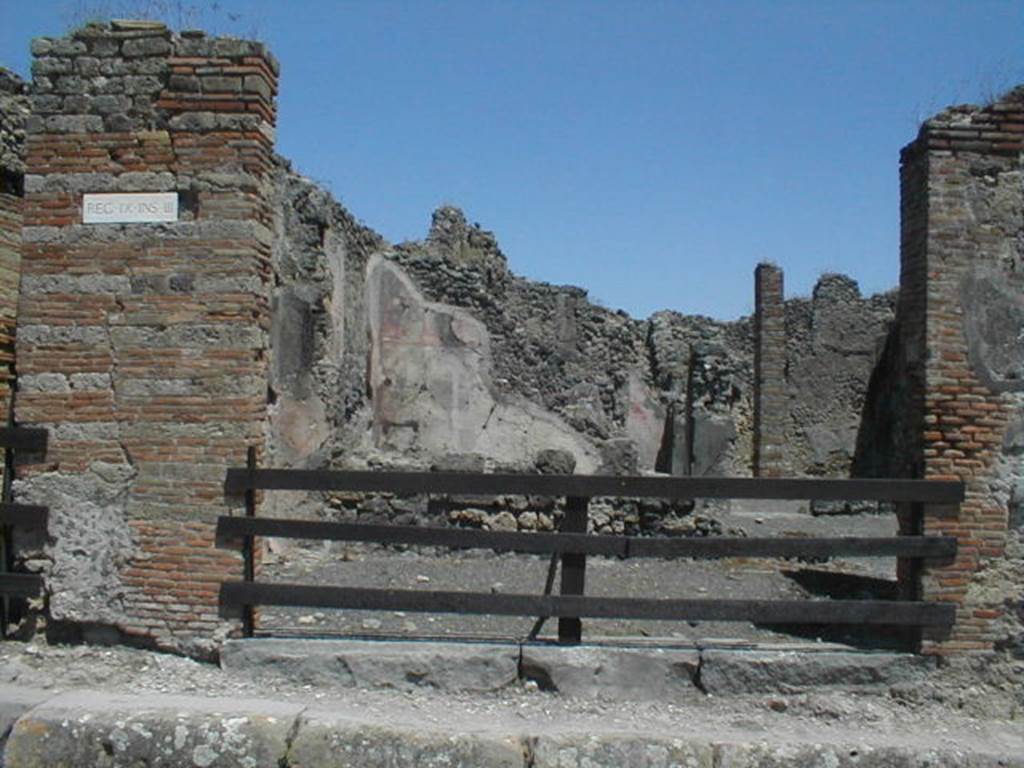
[
  {"x": 479, "y": 361},
  {"x": 142, "y": 347},
  {"x": 268, "y": 316},
  {"x": 834, "y": 341},
  {"x": 961, "y": 315},
  {"x": 14, "y": 110}
]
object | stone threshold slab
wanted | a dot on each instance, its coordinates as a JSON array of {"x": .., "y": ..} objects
[{"x": 622, "y": 672}]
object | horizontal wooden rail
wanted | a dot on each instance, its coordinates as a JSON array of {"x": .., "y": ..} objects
[
  {"x": 28, "y": 439},
  {"x": 23, "y": 515},
  {"x": 232, "y": 529},
  {"x": 240, "y": 480},
  {"x": 234, "y": 595},
  {"x": 20, "y": 585}
]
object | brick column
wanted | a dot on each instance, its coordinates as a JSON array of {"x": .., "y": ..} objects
[
  {"x": 10, "y": 264},
  {"x": 771, "y": 400},
  {"x": 961, "y": 318},
  {"x": 142, "y": 346},
  {"x": 13, "y": 110}
]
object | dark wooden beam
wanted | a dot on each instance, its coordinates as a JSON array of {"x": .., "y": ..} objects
[
  {"x": 235, "y": 594},
  {"x": 21, "y": 584},
  {"x": 588, "y": 486},
  {"x": 23, "y": 515},
  {"x": 574, "y": 568},
  {"x": 29, "y": 439},
  {"x": 230, "y": 531}
]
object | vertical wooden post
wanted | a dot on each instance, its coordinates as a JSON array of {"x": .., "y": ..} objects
[
  {"x": 248, "y": 546},
  {"x": 574, "y": 567},
  {"x": 931, "y": 575},
  {"x": 5, "y": 538},
  {"x": 908, "y": 569},
  {"x": 7, "y": 496}
]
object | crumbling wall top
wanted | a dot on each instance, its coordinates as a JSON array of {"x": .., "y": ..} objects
[
  {"x": 138, "y": 76},
  {"x": 994, "y": 129},
  {"x": 14, "y": 109}
]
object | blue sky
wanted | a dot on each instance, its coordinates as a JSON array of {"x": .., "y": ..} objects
[{"x": 650, "y": 152}]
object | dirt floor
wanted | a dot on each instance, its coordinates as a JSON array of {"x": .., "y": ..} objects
[{"x": 363, "y": 565}]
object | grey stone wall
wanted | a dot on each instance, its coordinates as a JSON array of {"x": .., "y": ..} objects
[
  {"x": 834, "y": 342},
  {"x": 410, "y": 354},
  {"x": 14, "y": 111}
]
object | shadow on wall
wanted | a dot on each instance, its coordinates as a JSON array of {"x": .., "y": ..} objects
[{"x": 885, "y": 445}]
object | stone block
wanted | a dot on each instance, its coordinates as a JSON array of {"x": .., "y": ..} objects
[
  {"x": 104, "y": 46},
  {"x": 459, "y": 462},
  {"x": 329, "y": 740},
  {"x": 74, "y": 124},
  {"x": 619, "y": 457},
  {"x": 15, "y": 702},
  {"x": 552, "y": 461},
  {"x": 613, "y": 673},
  {"x": 107, "y": 104},
  {"x": 258, "y": 84},
  {"x": 41, "y": 46},
  {"x": 146, "y": 46},
  {"x": 712, "y": 438},
  {"x": 726, "y": 672},
  {"x": 220, "y": 84},
  {"x": 615, "y": 750},
  {"x": 52, "y": 66},
  {"x": 122, "y": 123},
  {"x": 79, "y": 730},
  {"x": 378, "y": 664},
  {"x": 184, "y": 83},
  {"x": 88, "y": 66},
  {"x": 851, "y": 755}
]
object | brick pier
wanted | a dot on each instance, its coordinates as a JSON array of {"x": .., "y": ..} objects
[
  {"x": 143, "y": 346},
  {"x": 961, "y": 319}
]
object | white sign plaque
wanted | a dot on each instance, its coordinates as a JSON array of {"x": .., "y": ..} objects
[{"x": 129, "y": 207}]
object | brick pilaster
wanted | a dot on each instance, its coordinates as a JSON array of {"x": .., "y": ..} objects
[
  {"x": 13, "y": 111},
  {"x": 960, "y": 279},
  {"x": 10, "y": 270},
  {"x": 771, "y": 400},
  {"x": 143, "y": 346}
]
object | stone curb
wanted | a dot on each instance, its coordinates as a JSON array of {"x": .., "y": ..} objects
[{"x": 87, "y": 730}]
